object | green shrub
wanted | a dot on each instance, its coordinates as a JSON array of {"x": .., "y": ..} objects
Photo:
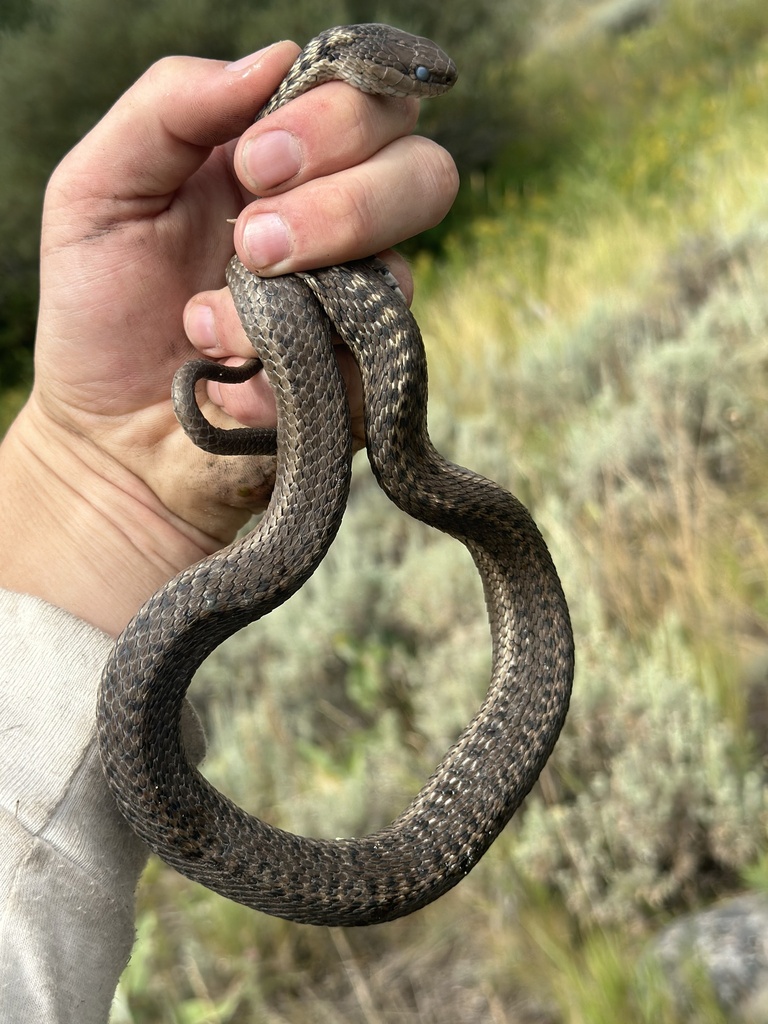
[{"x": 659, "y": 814}]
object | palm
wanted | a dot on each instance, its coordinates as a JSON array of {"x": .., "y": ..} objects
[{"x": 120, "y": 289}]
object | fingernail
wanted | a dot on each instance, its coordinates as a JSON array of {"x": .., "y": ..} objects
[
  {"x": 200, "y": 327},
  {"x": 266, "y": 240},
  {"x": 271, "y": 159},
  {"x": 246, "y": 62}
]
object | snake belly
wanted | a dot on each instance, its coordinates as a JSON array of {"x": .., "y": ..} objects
[{"x": 485, "y": 776}]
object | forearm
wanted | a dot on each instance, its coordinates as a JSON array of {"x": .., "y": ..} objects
[{"x": 69, "y": 863}]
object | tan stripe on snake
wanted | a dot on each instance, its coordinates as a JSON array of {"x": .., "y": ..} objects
[{"x": 485, "y": 776}]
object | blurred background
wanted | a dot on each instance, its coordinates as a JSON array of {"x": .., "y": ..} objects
[{"x": 596, "y": 316}]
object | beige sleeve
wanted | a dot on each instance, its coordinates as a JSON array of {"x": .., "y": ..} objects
[{"x": 68, "y": 862}]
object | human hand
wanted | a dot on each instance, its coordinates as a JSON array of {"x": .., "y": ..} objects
[{"x": 103, "y": 491}]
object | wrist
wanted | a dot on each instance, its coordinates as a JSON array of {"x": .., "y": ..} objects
[{"x": 80, "y": 530}]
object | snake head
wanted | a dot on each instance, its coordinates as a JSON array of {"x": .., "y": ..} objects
[
  {"x": 374, "y": 58},
  {"x": 388, "y": 61},
  {"x": 413, "y": 64}
]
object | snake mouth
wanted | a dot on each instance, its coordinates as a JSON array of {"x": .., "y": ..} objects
[
  {"x": 406, "y": 80},
  {"x": 414, "y": 66}
]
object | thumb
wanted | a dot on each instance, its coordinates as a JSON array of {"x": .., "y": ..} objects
[{"x": 163, "y": 129}]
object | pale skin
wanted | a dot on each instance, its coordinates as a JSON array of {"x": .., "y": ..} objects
[{"x": 103, "y": 498}]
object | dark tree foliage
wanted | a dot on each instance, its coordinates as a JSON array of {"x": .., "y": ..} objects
[
  {"x": 14, "y": 13},
  {"x": 477, "y": 120},
  {"x": 64, "y": 62}
]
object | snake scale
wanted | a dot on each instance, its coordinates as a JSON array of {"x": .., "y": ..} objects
[{"x": 495, "y": 761}]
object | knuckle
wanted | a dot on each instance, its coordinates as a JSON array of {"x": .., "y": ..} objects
[
  {"x": 162, "y": 71},
  {"x": 351, "y": 213},
  {"x": 441, "y": 172},
  {"x": 375, "y": 120}
]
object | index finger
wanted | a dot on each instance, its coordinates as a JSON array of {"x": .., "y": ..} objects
[{"x": 165, "y": 126}]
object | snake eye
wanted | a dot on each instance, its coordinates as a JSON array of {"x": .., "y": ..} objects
[{"x": 423, "y": 74}]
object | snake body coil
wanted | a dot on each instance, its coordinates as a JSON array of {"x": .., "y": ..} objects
[{"x": 487, "y": 773}]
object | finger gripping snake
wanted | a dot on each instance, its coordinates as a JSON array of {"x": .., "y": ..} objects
[{"x": 495, "y": 761}]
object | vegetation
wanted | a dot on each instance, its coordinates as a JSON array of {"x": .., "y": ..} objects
[
  {"x": 64, "y": 62},
  {"x": 596, "y": 320}
]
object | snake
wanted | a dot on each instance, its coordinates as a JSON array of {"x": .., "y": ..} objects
[{"x": 497, "y": 758}]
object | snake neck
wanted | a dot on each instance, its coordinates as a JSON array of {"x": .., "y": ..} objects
[{"x": 295, "y": 83}]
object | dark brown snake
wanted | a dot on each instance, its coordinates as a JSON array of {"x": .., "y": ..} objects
[{"x": 485, "y": 776}]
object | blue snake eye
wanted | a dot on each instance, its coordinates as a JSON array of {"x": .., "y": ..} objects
[{"x": 423, "y": 74}]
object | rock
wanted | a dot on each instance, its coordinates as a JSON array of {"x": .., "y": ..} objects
[
  {"x": 624, "y": 16},
  {"x": 729, "y": 942}
]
